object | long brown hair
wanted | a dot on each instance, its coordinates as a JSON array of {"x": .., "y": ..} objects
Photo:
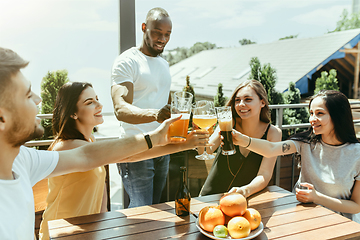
[
  {"x": 64, "y": 127},
  {"x": 260, "y": 91}
]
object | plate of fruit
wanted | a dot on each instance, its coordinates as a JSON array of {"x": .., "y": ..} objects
[{"x": 231, "y": 219}]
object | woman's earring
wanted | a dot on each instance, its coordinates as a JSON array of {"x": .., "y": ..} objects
[{"x": 74, "y": 116}]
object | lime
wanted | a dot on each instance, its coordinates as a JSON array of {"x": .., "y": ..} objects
[{"x": 220, "y": 231}]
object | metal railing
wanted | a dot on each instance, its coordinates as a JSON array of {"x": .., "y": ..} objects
[
  {"x": 36, "y": 143},
  {"x": 279, "y": 123}
]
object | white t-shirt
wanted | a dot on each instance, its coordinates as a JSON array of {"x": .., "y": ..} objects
[
  {"x": 17, "y": 213},
  {"x": 332, "y": 170},
  {"x": 151, "y": 79}
]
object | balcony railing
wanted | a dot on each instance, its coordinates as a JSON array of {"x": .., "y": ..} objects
[
  {"x": 36, "y": 143},
  {"x": 279, "y": 123}
]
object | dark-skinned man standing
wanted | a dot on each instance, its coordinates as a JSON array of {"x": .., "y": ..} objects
[{"x": 140, "y": 92}]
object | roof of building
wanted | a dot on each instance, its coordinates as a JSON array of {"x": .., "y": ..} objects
[{"x": 295, "y": 60}]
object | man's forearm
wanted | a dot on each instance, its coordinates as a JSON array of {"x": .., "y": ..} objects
[
  {"x": 112, "y": 151},
  {"x": 128, "y": 113}
]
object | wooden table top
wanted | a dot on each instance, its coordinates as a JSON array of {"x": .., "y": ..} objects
[{"x": 282, "y": 215}]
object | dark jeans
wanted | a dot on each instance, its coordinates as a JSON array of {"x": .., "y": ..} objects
[{"x": 144, "y": 181}]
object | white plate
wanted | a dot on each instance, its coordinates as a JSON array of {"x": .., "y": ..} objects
[{"x": 254, "y": 233}]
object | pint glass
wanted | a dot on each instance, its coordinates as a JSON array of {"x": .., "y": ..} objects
[
  {"x": 180, "y": 105},
  {"x": 225, "y": 122}
]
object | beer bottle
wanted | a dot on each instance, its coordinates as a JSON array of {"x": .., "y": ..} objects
[{"x": 182, "y": 197}]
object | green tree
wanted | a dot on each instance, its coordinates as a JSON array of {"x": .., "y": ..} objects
[
  {"x": 347, "y": 21},
  {"x": 181, "y": 53},
  {"x": 50, "y": 86},
  {"x": 189, "y": 88},
  {"x": 199, "y": 46},
  {"x": 267, "y": 76},
  {"x": 289, "y": 37},
  {"x": 245, "y": 41},
  {"x": 293, "y": 115},
  {"x": 327, "y": 81},
  {"x": 219, "y": 98}
]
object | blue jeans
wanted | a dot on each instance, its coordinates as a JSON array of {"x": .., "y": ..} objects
[{"x": 144, "y": 181}]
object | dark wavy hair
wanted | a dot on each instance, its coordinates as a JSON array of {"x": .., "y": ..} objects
[
  {"x": 64, "y": 127},
  {"x": 260, "y": 91},
  {"x": 339, "y": 109}
]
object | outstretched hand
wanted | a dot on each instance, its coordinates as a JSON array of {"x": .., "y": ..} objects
[
  {"x": 161, "y": 133},
  {"x": 239, "y": 138},
  {"x": 198, "y": 138},
  {"x": 163, "y": 113}
]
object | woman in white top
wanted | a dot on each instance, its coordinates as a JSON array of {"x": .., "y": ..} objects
[{"x": 330, "y": 154}]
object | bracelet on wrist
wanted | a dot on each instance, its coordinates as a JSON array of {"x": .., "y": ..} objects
[
  {"x": 148, "y": 141},
  {"x": 249, "y": 142}
]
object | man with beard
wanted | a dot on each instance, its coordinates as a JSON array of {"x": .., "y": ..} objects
[
  {"x": 140, "y": 92},
  {"x": 22, "y": 167}
]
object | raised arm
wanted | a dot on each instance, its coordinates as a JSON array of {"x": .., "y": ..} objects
[
  {"x": 196, "y": 138},
  {"x": 122, "y": 97},
  {"x": 104, "y": 152},
  {"x": 263, "y": 147},
  {"x": 265, "y": 171}
]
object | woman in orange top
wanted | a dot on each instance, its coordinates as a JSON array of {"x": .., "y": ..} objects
[{"x": 77, "y": 111}]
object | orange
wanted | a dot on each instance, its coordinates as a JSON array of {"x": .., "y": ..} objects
[
  {"x": 233, "y": 204},
  {"x": 239, "y": 227},
  {"x": 227, "y": 218},
  {"x": 211, "y": 216},
  {"x": 253, "y": 216}
]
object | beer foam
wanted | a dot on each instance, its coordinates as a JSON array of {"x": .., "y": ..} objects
[
  {"x": 225, "y": 125},
  {"x": 183, "y": 115}
]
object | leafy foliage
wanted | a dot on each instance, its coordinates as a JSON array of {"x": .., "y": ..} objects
[
  {"x": 180, "y": 53},
  {"x": 289, "y": 37},
  {"x": 245, "y": 41},
  {"x": 327, "y": 81},
  {"x": 267, "y": 76},
  {"x": 347, "y": 21},
  {"x": 198, "y": 47},
  {"x": 219, "y": 98},
  {"x": 50, "y": 86},
  {"x": 293, "y": 115},
  {"x": 189, "y": 88}
]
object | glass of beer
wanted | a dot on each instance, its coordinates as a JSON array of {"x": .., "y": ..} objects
[
  {"x": 204, "y": 117},
  {"x": 224, "y": 116},
  {"x": 180, "y": 105}
]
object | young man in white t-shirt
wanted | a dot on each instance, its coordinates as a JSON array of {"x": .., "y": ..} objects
[
  {"x": 21, "y": 167},
  {"x": 140, "y": 92}
]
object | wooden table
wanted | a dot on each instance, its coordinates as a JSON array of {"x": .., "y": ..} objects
[{"x": 283, "y": 217}]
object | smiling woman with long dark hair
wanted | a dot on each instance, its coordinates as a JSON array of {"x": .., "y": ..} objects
[
  {"x": 77, "y": 111},
  {"x": 329, "y": 151}
]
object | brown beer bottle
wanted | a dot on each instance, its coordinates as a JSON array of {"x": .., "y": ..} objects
[{"x": 182, "y": 197}]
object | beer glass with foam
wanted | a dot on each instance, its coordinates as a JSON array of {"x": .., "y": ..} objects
[
  {"x": 180, "y": 105},
  {"x": 204, "y": 116},
  {"x": 224, "y": 116}
]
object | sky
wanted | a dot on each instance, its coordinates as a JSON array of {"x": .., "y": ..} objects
[{"x": 81, "y": 36}]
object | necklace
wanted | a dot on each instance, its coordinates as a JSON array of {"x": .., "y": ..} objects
[{"x": 234, "y": 175}]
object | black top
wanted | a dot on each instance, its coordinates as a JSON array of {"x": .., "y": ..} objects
[{"x": 230, "y": 171}]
